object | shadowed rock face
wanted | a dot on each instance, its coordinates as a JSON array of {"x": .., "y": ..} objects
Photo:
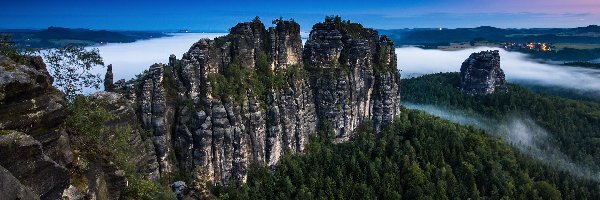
[
  {"x": 11, "y": 188},
  {"x": 29, "y": 104},
  {"x": 36, "y": 148},
  {"x": 481, "y": 73},
  {"x": 22, "y": 156}
]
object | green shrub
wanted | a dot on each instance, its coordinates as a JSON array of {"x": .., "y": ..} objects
[
  {"x": 86, "y": 119},
  {"x": 141, "y": 187}
]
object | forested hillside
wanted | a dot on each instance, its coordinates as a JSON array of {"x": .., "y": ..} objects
[
  {"x": 417, "y": 157},
  {"x": 573, "y": 124}
]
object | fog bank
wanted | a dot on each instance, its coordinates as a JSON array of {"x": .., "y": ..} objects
[
  {"x": 130, "y": 59},
  {"x": 413, "y": 61},
  {"x": 519, "y": 131}
]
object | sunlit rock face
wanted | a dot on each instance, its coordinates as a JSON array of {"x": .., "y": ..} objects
[
  {"x": 285, "y": 44},
  {"x": 481, "y": 73},
  {"x": 344, "y": 76}
]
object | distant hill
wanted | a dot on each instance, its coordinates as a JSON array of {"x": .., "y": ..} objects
[
  {"x": 54, "y": 37},
  {"x": 587, "y": 35}
]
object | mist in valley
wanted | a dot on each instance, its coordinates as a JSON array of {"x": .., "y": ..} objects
[
  {"x": 413, "y": 62},
  {"x": 130, "y": 59},
  {"x": 520, "y": 132}
]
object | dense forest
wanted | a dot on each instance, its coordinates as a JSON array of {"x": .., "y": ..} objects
[
  {"x": 417, "y": 157},
  {"x": 420, "y": 156},
  {"x": 573, "y": 124}
]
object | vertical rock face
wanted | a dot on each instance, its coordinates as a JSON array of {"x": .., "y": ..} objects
[
  {"x": 481, "y": 73},
  {"x": 285, "y": 44},
  {"x": 354, "y": 75},
  {"x": 154, "y": 113},
  {"x": 346, "y": 75},
  {"x": 386, "y": 91}
]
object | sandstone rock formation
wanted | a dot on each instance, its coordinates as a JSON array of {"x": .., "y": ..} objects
[
  {"x": 481, "y": 73},
  {"x": 22, "y": 155},
  {"x": 29, "y": 104},
  {"x": 248, "y": 97},
  {"x": 11, "y": 188},
  {"x": 283, "y": 94},
  {"x": 33, "y": 146},
  {"x": 37, "y": 150},
  {"x": 354, "y": 75}
]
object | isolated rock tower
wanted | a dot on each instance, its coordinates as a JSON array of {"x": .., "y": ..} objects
[{"x": 481, "y": 73}]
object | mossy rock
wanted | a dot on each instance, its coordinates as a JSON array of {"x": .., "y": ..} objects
[{"x": 5, "y": 132}]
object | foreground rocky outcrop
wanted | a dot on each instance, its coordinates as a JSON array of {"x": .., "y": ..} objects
[
  {"x": 22, "y": 155},
  {"x": 257, "y": 94},
  {"x": 481, "y": 73},
  {"x": 44, "y": 154},
  {"x": 34, "y": 147},
  {"x": 11, "y": 188}
]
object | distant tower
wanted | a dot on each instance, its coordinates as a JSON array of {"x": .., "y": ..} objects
[
  {"x": 481, "y": 73},
  {"x": 108, "y": 80}
]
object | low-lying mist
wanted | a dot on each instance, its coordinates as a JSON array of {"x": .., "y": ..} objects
[
  {"x": 517, "y": 67},
  {"x": 130, "y": 59},
  {"x": 519, "y": 131}
]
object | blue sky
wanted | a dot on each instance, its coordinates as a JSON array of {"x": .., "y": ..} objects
[{"x": 220, "y": 15}]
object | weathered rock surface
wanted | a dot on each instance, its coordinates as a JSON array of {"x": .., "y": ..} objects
[
  {"x": 11, "y": 188},
  {"x": 285, "y": 44},
  {"x": 24, "y": 158},
  {"x": 354, "y": 76},
  {"x": 346, "y": 75},
  {"x": 155, "y": 113},
  {"x": 481, "y": 73},
  {"x": 29, "y": 104},
  {"x": 32, "y": 111},
  {"x": 38, "y": 151}
]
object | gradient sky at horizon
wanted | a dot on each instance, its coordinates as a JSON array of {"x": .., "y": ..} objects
[{"x": 220, "y": 15}]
